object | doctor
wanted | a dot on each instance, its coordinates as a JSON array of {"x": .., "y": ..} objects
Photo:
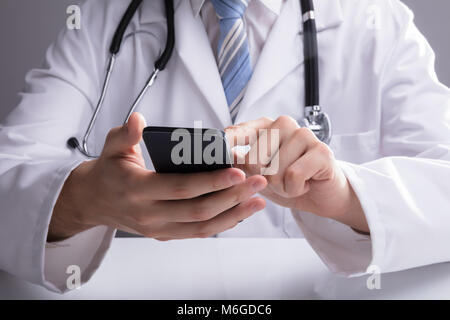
[{"x": 378, "y": 195}]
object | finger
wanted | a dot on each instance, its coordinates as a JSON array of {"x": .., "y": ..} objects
[
  {"x": 172, "y": 186},
  {"x": 267, "y": 145},
  {"x": 246, "y": 133},
  {"x": 276, "y": 198},
  {"x": 124, "y": 139},
  {"x": 260, "y": 154},
  {"x": 316, "y": 164},
  {"x": 218, "y": 224},
  {"x": 207, "y": 207},
  {"x": 297, "y": 145}
]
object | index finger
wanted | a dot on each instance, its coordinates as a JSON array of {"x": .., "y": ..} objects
[
  {"x": 246, "y": 133},
  {"x": 173, "y": 186}
]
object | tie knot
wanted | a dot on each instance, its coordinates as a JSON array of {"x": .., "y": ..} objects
[{"x": 230, "y": 9}]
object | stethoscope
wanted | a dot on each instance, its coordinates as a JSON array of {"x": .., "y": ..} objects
[{"x": 314, "y": 118}]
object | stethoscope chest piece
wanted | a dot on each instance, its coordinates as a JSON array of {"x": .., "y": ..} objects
[{"x": 318, "y": 122}]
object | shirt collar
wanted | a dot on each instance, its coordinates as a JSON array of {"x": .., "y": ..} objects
[
  {"x": 329, "y": 14},
  {"x": 273, "y": 5}
]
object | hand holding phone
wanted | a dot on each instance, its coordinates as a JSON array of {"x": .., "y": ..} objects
[
  {"x": 187, "y": 150},
  {"x": 118, "y": 191}
]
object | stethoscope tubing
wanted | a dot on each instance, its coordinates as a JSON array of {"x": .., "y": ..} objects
[
  {"x": 114, "y": 49},
  {"x": 314, "y": 118}
]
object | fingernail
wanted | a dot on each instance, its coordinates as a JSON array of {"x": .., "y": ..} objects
[
  {"x": 143, "y": 119},
  {"x": 236, "y": 178},
  {"x": 258, "y": 186},
  {"x": 257, "y": 207}
]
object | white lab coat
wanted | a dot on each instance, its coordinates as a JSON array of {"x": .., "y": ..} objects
[{"x": 390, "y": 116}]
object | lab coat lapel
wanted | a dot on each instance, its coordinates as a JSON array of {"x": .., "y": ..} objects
[
  {"x": 283, "y": 50},
  {"x": 193, "y": 47}
]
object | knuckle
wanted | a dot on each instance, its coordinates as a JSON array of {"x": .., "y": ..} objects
[
  {"x": 240, "y": 194},
  {"x": 241, "y": 197},
  {"x": 232, "y": 127},
  {"x": 143, "y": 218},
  {"x": 133, "y": 199},
  {"x": 182, "y": 192},
  {"x": 285, "y": 120},
  {"x": 200, "y": 212},
  {"x": 304, "y": 132},
  {"x": 291, "y": 175},
  {"x": 293, "y": 179},
  {"x": 266, "y": 119},
  {"x": 324, "y": 150},
  {"x": 140, "y": 219}
]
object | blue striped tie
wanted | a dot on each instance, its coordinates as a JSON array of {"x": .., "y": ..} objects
[{"x": 233, "y": 54}]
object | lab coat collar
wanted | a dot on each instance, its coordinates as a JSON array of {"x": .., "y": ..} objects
[
  {"x": 282, "y": 52},
  {"x": 328, "y": 12},
  {"x": 194, "y": 49}
]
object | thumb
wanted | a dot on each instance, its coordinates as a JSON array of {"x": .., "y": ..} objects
[{"x": 122, "y": 140}]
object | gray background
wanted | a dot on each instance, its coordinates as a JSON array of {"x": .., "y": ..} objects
[{"x": 27, "y": 27}]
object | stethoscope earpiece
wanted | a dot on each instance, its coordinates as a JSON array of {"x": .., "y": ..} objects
[{"x": 73, "y": 143}]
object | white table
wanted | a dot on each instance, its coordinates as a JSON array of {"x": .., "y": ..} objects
[{"x": 230, "y": 269}]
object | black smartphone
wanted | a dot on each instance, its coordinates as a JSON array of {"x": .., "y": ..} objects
[{"x": 187, "y": 150}]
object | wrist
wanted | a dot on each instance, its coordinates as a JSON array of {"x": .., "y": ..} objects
[
  {"x": 353, "y": 214},
  {"x": 69, "y": 214}
]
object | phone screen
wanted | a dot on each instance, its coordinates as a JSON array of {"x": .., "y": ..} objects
[{"x": 187, "y": 150}]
